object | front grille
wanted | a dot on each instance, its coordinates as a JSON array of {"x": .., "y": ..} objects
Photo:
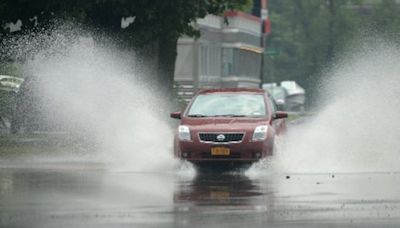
[{"x": 217, "y": 137}]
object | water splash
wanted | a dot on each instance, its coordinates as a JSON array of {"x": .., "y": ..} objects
[
  {"x": 358, "y": 128},
  {"x": 102, "y": 92}
]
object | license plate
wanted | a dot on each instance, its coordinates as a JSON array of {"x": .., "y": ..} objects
[
  {"x": 220, "y": 151},
  {"x": 220, "y": 195}
]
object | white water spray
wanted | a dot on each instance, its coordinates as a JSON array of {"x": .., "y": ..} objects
[
  {"x": 358, "y": 130},
  {"x": 102, "y": 93}
]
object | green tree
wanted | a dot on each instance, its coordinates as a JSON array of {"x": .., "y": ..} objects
[
  {"x": 385, "y": 19},
  {"x": 306, "y": 36}
]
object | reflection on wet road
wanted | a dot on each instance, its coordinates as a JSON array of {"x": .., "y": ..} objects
[{"x": 80, "y": 197}]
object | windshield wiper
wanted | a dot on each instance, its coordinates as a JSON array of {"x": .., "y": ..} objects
[{"x": 197, "y": 115}]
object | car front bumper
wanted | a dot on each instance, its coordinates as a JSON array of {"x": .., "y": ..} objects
[{"x": 246, "y": 152}]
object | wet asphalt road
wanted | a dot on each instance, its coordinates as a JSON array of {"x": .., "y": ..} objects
[{"x": 87, "y": 195}]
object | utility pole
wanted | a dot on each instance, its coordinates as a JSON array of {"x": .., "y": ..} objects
[{"x": 266, "y": 30}]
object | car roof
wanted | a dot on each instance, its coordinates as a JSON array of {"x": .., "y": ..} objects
[{"x": 232, "y": 90}]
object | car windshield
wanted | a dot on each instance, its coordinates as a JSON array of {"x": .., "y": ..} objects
[{"x": 228, "y": 104}]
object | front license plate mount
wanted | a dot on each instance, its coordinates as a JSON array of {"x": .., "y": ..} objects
[{"x": 220, "y": 151}]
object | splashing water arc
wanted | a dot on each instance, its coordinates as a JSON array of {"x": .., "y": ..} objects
[
  {"x": 358, "y": 128},
  {"x": 102, "y": 92}
]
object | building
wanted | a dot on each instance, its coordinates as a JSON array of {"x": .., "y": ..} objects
[{"x": 227, "y": 54}]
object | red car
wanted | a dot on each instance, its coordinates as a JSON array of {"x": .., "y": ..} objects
[{"x": 228, "y": 127}]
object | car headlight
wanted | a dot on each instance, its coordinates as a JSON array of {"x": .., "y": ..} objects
[
  {"x": 260, "y": 133},
  {"x": 184, "y": 133}
]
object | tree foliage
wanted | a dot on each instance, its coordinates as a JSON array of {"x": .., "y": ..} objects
[
  {"x": 385, "y": 19},
  {"x": 153, "y": 19},
  {"x": 307, "y": 35}
]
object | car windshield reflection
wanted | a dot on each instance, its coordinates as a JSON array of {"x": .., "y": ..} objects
[{"x": 228, "y": 105}]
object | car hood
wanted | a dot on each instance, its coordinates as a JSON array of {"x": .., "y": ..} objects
[{"x": 223, "y": 124}]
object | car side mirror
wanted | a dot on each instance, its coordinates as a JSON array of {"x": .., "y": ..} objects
[
  {"x": 176, "y": 115},
  {"x": 280, "y": 115}
]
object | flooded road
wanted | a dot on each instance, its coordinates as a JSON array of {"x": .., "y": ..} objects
[{"x": 89, "y": 195}]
